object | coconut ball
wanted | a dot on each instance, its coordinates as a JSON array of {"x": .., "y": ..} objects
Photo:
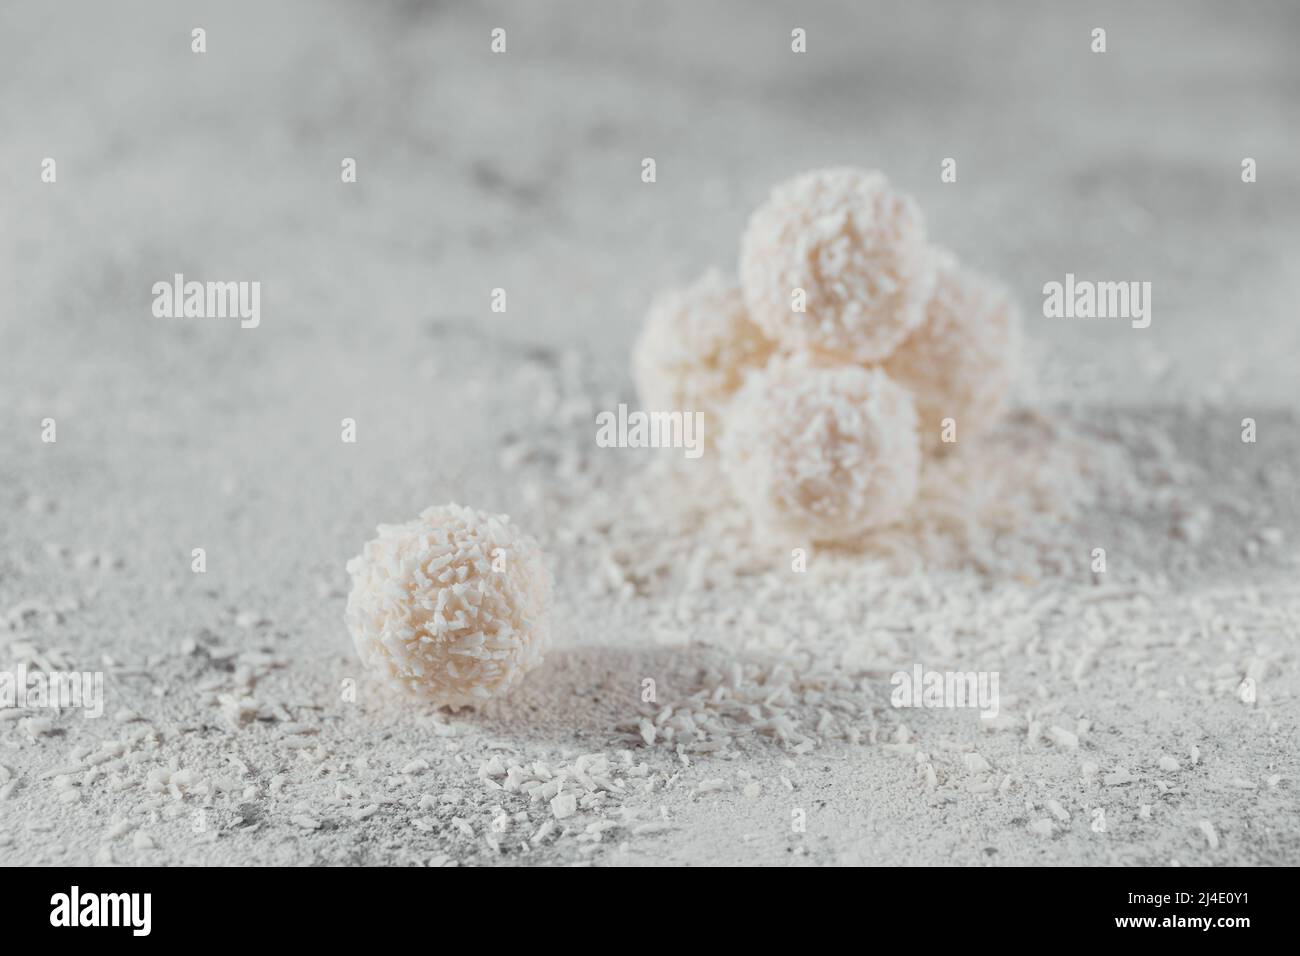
[
  {"x": 695, "y": 348},
  {"x": 453, "y": 606},
  {"x": 822, "y": 452},
  {"x": 962, "y": 360},
  {"x": 857, "y": 249}
]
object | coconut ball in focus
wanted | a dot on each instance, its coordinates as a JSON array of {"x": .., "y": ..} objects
[
  {"x": 821, "y": 452},
  {"x": 453, "y": 606},
  {"x": 857, "y": 249},
  {"x": 961, "y": 362},
  {"x": 695, "y": 348}
]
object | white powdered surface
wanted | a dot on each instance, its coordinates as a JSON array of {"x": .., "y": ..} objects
[{"x": 238, "y": 726}]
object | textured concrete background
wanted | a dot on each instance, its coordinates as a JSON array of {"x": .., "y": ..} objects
[{"x": 522, "y": 171}]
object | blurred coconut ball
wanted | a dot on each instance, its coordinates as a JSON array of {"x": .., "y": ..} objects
[
  {"x": 961, "y": 362},
  {"x": 855, "y": 247},
  {"x": 696, "y": 347},
  {"x": 453, "y": 606},
  {"x": 821, "y": 452}
]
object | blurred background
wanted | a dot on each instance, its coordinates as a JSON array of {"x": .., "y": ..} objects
[{"x": 522, "y": 171}]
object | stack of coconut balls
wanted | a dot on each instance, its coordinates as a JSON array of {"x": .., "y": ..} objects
[{"x": 850, "y": 351}]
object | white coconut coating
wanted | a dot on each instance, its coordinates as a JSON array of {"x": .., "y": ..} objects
[
  {"x": 962, "y": 360},
  {"x": 695, "y": 348},
  {"x": 857, "y": 249},
  {"x": 453, "y": 606},
  {"x": 820, "y": 452}
]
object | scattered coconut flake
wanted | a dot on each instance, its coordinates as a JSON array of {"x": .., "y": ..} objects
[
  {"x": 37, "y": 726},
  {"x": 1118, "y": 777},
  {"x": 119, "y": 829},
  {"x": 1211, "y": 835},
  {"x": 1062, "y": 737},
  {"x": 976, "y": 763}
]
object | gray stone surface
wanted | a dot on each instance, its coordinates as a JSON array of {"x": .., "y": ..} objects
[{"x": 522, "y": 171}]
